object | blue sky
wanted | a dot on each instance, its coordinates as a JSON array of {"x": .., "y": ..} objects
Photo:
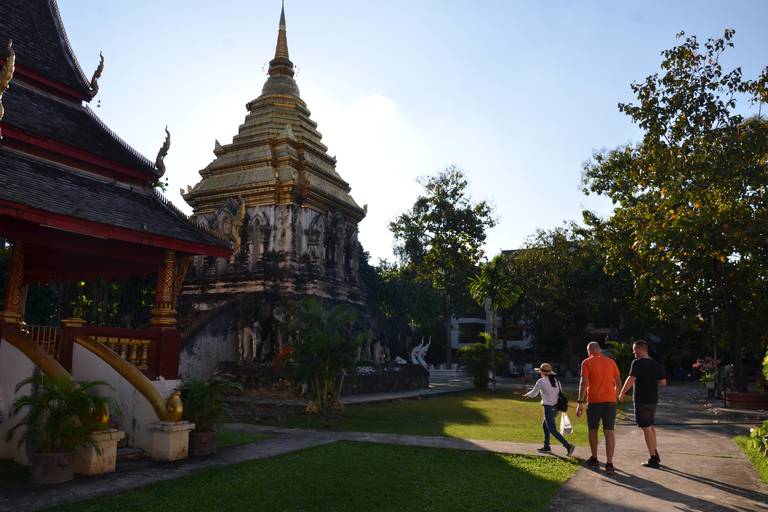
[{"x": 518, "y": 94}]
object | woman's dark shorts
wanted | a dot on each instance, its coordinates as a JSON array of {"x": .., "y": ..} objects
[
  {"x": 644, "y": 414},
  {"x": 605, "y": 411}
]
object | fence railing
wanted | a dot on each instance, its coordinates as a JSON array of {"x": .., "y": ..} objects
[
  {"x": 135, "y": 351},
  {"x": 49, "y": 338},
  {"x": 153, "y": 351}
]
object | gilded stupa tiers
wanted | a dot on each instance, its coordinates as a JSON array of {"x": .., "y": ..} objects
[
  {"x": 276, "y": 193},
  {"x": 277, "y": 157}
]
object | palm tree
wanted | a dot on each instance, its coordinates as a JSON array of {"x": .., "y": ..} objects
[
  {"x": 496, "y": 289},
  {"x": 324, "y": 351},
  {"x": 479, "y": 359},
  {"x": 58, "y": 413}
]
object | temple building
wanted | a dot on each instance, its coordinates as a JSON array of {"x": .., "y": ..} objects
[
  {"x": 295, "y": 226},
  {"x": 77, "y": 202}
]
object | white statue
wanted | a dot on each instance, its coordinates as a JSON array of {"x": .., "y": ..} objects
[
  {"x": 415, "y": 352},
  {"x": 423, "y": 352}
]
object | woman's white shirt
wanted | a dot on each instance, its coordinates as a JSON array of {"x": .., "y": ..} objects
[{"x": 548, "y": 392}]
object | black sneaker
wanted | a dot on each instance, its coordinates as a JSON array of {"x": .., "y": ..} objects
[
  {"x": 544, "y": 449},
  {"x": 657, "y": 456},
  {"x": 653, "y": 462},
  {"x": 570, "y": 449},
  {"x": 609, "y": 468},
  {"x": 592, "y": 462}
]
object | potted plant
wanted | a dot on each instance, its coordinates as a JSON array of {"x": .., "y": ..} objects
[
  {"x": 58, "y": 419},
  {"x": 708, "y": 380},
  {"x": 204, "y": 406},
  {"x": 746, "y": 400}
]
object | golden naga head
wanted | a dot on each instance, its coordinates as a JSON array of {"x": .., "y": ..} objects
[
  {"x": 174, "y": 407},
  {"x": 100, "y": 416}
]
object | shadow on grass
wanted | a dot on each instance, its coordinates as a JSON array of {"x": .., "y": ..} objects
[{"x": 358, "y": 476}]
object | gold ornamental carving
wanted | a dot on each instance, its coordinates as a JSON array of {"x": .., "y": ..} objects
[
  {"x": 164, "y": 314},
  {"x": 14, "y": 286},
  {"x": 233, "y": 233},
  {"x": 5, "y": 76}
]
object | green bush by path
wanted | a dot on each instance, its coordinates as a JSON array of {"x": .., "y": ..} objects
[
  {"x": 755, "y": 456},
  {"x": 349, "y": 476},
  {"x": 500, "y": 416}
]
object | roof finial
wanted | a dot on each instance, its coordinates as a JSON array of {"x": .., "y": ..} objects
[
  {"x": 281, "y": 73},
  {"x": 96, "y": 75},
  {"x": 159, "y": 162},
  {"x": 281, "y": 52}
]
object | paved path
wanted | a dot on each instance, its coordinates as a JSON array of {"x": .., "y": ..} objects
[{"x": 703, "y": 469}]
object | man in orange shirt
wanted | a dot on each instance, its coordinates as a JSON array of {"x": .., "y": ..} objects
[{"x": 600, "y": 385}]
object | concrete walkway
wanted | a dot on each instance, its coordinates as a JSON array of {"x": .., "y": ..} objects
[{"x": 702, "y": 468}]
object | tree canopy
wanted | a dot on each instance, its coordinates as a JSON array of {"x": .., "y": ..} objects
[
  {"x": 442, "y": 237},
  {"x": 565, "y": 288},
  {"x": 690, "y": 212}
]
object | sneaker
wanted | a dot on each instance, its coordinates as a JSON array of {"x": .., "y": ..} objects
[
  {"x": 570, "y": 449},
  {"x": 544, "y": 449},
  {"x": 653, "y": 462},
  {"x": 592, "y": 462},
  {"x": 657, "y": 456},
  {"x": 609, "y": 468}
]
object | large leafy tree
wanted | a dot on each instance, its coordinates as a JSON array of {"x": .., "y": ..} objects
[
  {"x": 494, "y": 288},
  {"x": 690, "y": 215},
  {"x": 565, "y": 287},
  {"x": 442, "y": 237}
]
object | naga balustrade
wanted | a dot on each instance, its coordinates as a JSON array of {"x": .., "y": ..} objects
[{"x": 155, "y": 352}]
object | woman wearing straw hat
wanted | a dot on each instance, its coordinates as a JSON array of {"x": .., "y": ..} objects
[{"x": 549, "y": 388}]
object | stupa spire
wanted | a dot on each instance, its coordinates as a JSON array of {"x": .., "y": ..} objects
[
  {"x": 280, "y": 79},
  {"x": 281, "y": 52},
  {"x": 281, "y": 64}
]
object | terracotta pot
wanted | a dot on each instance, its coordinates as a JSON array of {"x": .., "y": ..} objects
[
  {"x": 746, "y": 400},
  {"x": 202, "y": 443},
  {"x": 52, "y": 468}
]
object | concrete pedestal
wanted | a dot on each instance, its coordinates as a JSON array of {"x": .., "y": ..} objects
[
  {"x": 88, "y": 462},
  {"x": 170, "y": 440}
]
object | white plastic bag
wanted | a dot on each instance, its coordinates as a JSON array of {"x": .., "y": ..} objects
[{"x": 565, "y": 424}]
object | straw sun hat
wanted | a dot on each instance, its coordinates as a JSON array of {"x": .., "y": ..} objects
[{"x": 545, "y": 368}]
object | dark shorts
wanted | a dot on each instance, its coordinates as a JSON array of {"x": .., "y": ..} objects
[
  {"x": 605, "y": 411},
  {"x": 644, "y": 414}
]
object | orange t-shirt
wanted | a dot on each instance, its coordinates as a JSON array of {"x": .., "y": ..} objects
[{"x": 600, "y": 372}]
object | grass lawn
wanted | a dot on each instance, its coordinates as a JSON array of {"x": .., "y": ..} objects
[
  {"x": 501, "y": 416},
  {"x": 349, "y": 476},
  {"x": 756, "y": 457}
]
